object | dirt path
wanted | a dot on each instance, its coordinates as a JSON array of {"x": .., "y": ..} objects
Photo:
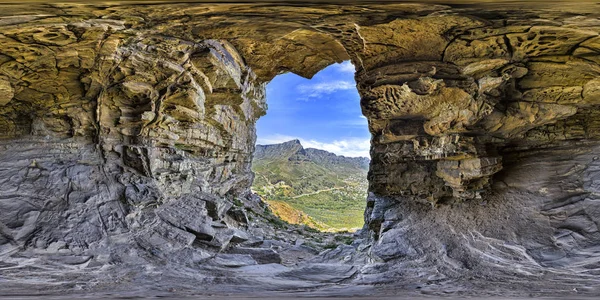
[{"x": 316, "y": 192}]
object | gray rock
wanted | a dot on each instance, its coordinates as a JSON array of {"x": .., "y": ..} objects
[
  {"x": 54, "y": 247},
  {"x": 234, "y": 260},
  {"x": 261, "y": 255},
  {"x": 127, "y": 134},
  {"x": 323, "y": 273}
]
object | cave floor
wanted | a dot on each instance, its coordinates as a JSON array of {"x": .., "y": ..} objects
[{"x": 322, "y": 276}]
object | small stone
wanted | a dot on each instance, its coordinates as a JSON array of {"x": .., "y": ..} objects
[
  {"x": 56, "y": 246},
  {"x": 261, "y": 255},
  {"x": 234, "y": 260},
  {"x": 7, "y": 92},
  {"x": 148, "y": 116}
]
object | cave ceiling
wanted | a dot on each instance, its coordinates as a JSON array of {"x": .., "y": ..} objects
[
  {"x": 127, "y": 131},
  {"x": 483, "y": 75}
]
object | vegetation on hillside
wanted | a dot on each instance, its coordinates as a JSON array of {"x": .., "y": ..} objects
[{"x": 311, "y": 187}]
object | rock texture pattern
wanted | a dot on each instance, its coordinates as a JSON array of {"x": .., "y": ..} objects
[{"x": 127, "y": 132}]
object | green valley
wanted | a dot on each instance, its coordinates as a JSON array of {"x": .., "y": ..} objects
[{"x": 310, "y": 186}]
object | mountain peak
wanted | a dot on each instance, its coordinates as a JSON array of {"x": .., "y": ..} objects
[
  {"x": 281, "y": 151},
  {"x": 293, "y": 142},
  {"x": 311, "y": 186},
  {"x": 294, "y": 151}
]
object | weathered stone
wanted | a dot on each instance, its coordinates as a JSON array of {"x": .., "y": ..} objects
[
  {"x": 322, "y": 273},
  {"x": 492, "y": 31},
  {"x": 234, "y": 260},
  {"x": 567, "y": 73},
  {"x": 522, "y": 116},
  {"x": 54, "y": 247},
  {"x": 127, "y": 132},
  {"x": 6, "y": 92},
  {"x": 484, "y": 66},
  {"x": 389, "y": 246},
  {"x": 593, "y": 44},
  {"x": 591, "y": 92},
  {"x": 459, "y": 109},
  {"x": 468, "y": 177},
  {"x": 464, "y": 52},
  {"x": 421, "y": 39},
  {"x": 554, "y": 94},
  {"x": 189, "y": 214},
  {"x": 261, "y": 255},
  {"x": 546, "y": 40}
]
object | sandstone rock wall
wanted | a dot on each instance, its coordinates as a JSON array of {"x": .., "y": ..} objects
[
  {"x": 110, "y": 132},
  {"x": 127, "y": 131},
  {"x": 449, "y": 110},
  {"x": 493, "y": 123}
]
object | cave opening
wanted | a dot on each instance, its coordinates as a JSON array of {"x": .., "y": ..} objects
[
  {"x": 312, "y": 153},
  {"x": 127, "y": 133}
]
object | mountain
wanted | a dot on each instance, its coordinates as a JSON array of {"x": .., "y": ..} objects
[
  {"x": 293, "y": 150},
  {"x": 311, "y": 186}
]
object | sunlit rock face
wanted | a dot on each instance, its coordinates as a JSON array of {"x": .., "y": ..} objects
[
  {"x": 127, "y": 133},
  {"x": 494, "y": 124},
  {"x": 101, "y": 126},
  {"x": 447, "y": 106}
]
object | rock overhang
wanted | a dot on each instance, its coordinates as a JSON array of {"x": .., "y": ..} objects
[
  {"x": 437, "y": 72},
  {"x": 156, "y": 103}
]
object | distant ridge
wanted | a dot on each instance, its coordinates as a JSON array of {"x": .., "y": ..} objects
[
  {"x": 283, "y": 151},
  {"x": 311, "y": 186},
  {"x": 293, "y": 150}
]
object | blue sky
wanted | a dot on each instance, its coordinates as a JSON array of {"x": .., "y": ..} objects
[{"x": 323, "y": 112}]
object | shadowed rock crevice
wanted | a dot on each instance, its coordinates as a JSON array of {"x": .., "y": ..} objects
[{"x": 127, "y": 134}]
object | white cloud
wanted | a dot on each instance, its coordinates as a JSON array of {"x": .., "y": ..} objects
[
  {"x": 359, "y": 123},
  {"x": 274, "y": 139},
  {"x": 352, "y": 147},
  {"x": 324, "y": 88},
  {"x": 348, "y": 147},
  {"x": 345, "y": 67}
]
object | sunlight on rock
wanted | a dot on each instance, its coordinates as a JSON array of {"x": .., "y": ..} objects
[{"x": 128, "y": 132}]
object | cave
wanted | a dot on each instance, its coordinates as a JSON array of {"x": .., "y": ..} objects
[{"x": 127, "y": 132}]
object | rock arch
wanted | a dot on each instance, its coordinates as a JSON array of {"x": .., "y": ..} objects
[{"x": 132, "y": 127}]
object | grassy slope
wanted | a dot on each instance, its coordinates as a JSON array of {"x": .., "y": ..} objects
[
  {"x": 292, "y": 190},
  {"x": 332, "y": 209},
  {"x": 293, "y": 215}
]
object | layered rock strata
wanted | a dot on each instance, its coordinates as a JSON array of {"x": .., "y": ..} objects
[
  {"x": 107, "y": 133},
  {"x": 127, "y": 133}
]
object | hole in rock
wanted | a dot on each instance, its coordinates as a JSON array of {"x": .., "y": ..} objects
[{"x": 311, "y": 158}]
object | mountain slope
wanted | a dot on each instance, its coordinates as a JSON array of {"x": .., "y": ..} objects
[{"x": 311, "y": 186}]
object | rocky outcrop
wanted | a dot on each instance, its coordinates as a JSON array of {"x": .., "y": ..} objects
[
  {"x": 127, "y": 133},
  {"x": 282, "y": 151},
  {"x": 106, "y": 134},
  {"x": 451, "y": 114}
]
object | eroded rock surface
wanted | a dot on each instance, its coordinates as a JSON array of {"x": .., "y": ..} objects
[{"x": 127, "y": 132}]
